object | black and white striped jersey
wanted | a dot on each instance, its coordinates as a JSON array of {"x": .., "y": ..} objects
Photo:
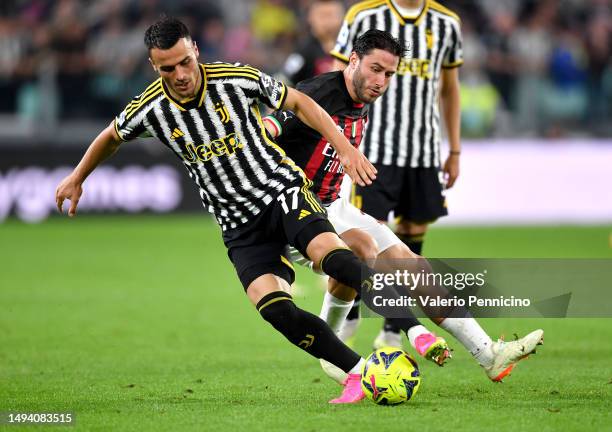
[
  {"x": 220, "y": 138},
  {"x": 404, "y": 127}
]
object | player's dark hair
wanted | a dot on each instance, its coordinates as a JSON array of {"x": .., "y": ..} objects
[
  {"x": 165, "y": 33},
  {"x": 378, "y": 39}
]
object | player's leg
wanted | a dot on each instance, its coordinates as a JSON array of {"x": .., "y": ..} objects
[
  {"x": 421, "y": 201},
  {"x": 338, "y": 300},
  {"x": 323, "y": 246},
  {"x": 305, "y": 225},
  {"x": 356, "y": 239},
  {"x": 266, "y": 275},
  {"x": 339, "y": 297},
  {"x": 378, "y": 200},
  {"x": 337, "y": 303},
  {"x": 307, "y": 228},
  {"x": 259, "y": 254},
  {"x": 426, "y": 343},
  {"x": 269, "y": 293},
  {"x": 412, "y": 235},
  {"x": 497, "y": 358}
]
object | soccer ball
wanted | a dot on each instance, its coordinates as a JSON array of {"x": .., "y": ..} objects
[{"x": 390, "y": 376}]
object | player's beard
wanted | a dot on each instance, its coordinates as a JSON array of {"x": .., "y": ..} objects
[{"x": 360, "y": 88}]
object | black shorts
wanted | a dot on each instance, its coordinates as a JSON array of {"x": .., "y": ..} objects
[
  {"x": 294, "y": 218},
  {"x": 414, "y": 194}
]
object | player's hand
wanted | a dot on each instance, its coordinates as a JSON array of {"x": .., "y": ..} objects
[
  {"x": 71, "y": 189},
  {"x": 357, "y": 166},
  {"x": 451, "y": 170}
]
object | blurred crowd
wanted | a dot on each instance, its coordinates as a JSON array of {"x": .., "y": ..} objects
[{"x": 532, "y": 67}]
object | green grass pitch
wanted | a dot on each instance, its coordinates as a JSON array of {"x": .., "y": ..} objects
[{"x": 139, "y": 323}]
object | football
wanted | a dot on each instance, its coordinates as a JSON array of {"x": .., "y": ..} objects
[{"x": 390, "y": 376}]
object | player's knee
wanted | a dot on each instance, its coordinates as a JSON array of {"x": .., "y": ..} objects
[
  {"x": 344, "y": 266},
  {"x": 399, "y": 251},
  {"x": 366, "y": 250},
  {"x": 361, "y": 243},
  {"x": 322, "y": 245}
]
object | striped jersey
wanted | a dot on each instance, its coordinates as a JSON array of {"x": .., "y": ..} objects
[
  {"x": 404, "y": 127},
  {"x": 220, "y": 138},
  {"x": 311, "y": 151}
]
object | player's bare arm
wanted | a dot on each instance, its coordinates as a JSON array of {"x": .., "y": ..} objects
[
  {"x": 359, "y": 169},
  {"x": 71, "y": 187},
  {"x": 451, "y": 110}
]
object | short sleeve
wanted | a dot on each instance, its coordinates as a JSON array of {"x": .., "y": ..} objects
[
  {"x": 344, "y": 42},
  {"x": 271, "y": 91},
  {"x": 454, "y": 53},
  {"x": 129, "y": 124}
]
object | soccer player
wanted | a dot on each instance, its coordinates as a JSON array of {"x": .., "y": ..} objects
[
  {"x": 208, "y": 116},
  {"x": 346, "y": 97},
  {"x": 404, "y": 133},
  {"x": 312, "y": 57}
]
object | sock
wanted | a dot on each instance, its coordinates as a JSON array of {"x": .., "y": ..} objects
[
  {"x": 348, "y": 329},
  {"x": 413, "y": 241},
  {"x": 472, "y": 337},
  {"x": 305, "y": 330},
  {"x": 354, "y": 312},
  {"x": 415, "y": 332},
  {"x": 334, "y": 311},
  {"x": 390, "y": 326},
  {"x": 403, "y": 324},
  {"x": 344, "y": 266},
  {"x": 357, "y": 368}
]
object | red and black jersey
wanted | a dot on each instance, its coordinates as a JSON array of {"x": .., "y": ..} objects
[{"x": 307, "y": 147}]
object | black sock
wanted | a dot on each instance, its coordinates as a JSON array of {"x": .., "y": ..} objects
[
  {"x": 396, "y": 325},
  {"x": 344, "y": 266},
  {"x": 305, "y": 330},
  {"x": 389, "y": 326},
  {"x": 413, "y": 241},
  {"x": 354, "y": 312}
]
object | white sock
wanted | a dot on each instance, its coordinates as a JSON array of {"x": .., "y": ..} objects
[
  {"x": 415, "y": 332},
  {"x": 348, "y": 329},
  {"x": 334, "y": 311},
  {"x": 472, "y": 337},
  {"x": 357, "y": 368}
]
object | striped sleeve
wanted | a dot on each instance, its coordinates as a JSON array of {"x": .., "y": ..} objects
[
  {"x": 129, "y": 124},
  {"x": 454, "y": 53},
  {"x": 271, "y": 91},
  {"x": 344, "y": 43}
]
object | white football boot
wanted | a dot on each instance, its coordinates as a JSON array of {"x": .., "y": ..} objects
[{"x": 507, "y": 354}]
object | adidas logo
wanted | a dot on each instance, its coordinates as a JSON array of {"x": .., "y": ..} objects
[
  {"x": 303, "y": 214},
  {"x": 176, "y": 133}
]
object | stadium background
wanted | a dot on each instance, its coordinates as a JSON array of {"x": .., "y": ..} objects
[{"x": 139, "y": 320}]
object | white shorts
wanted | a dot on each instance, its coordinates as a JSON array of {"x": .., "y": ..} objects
[{"x": 344, "y": 216}]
